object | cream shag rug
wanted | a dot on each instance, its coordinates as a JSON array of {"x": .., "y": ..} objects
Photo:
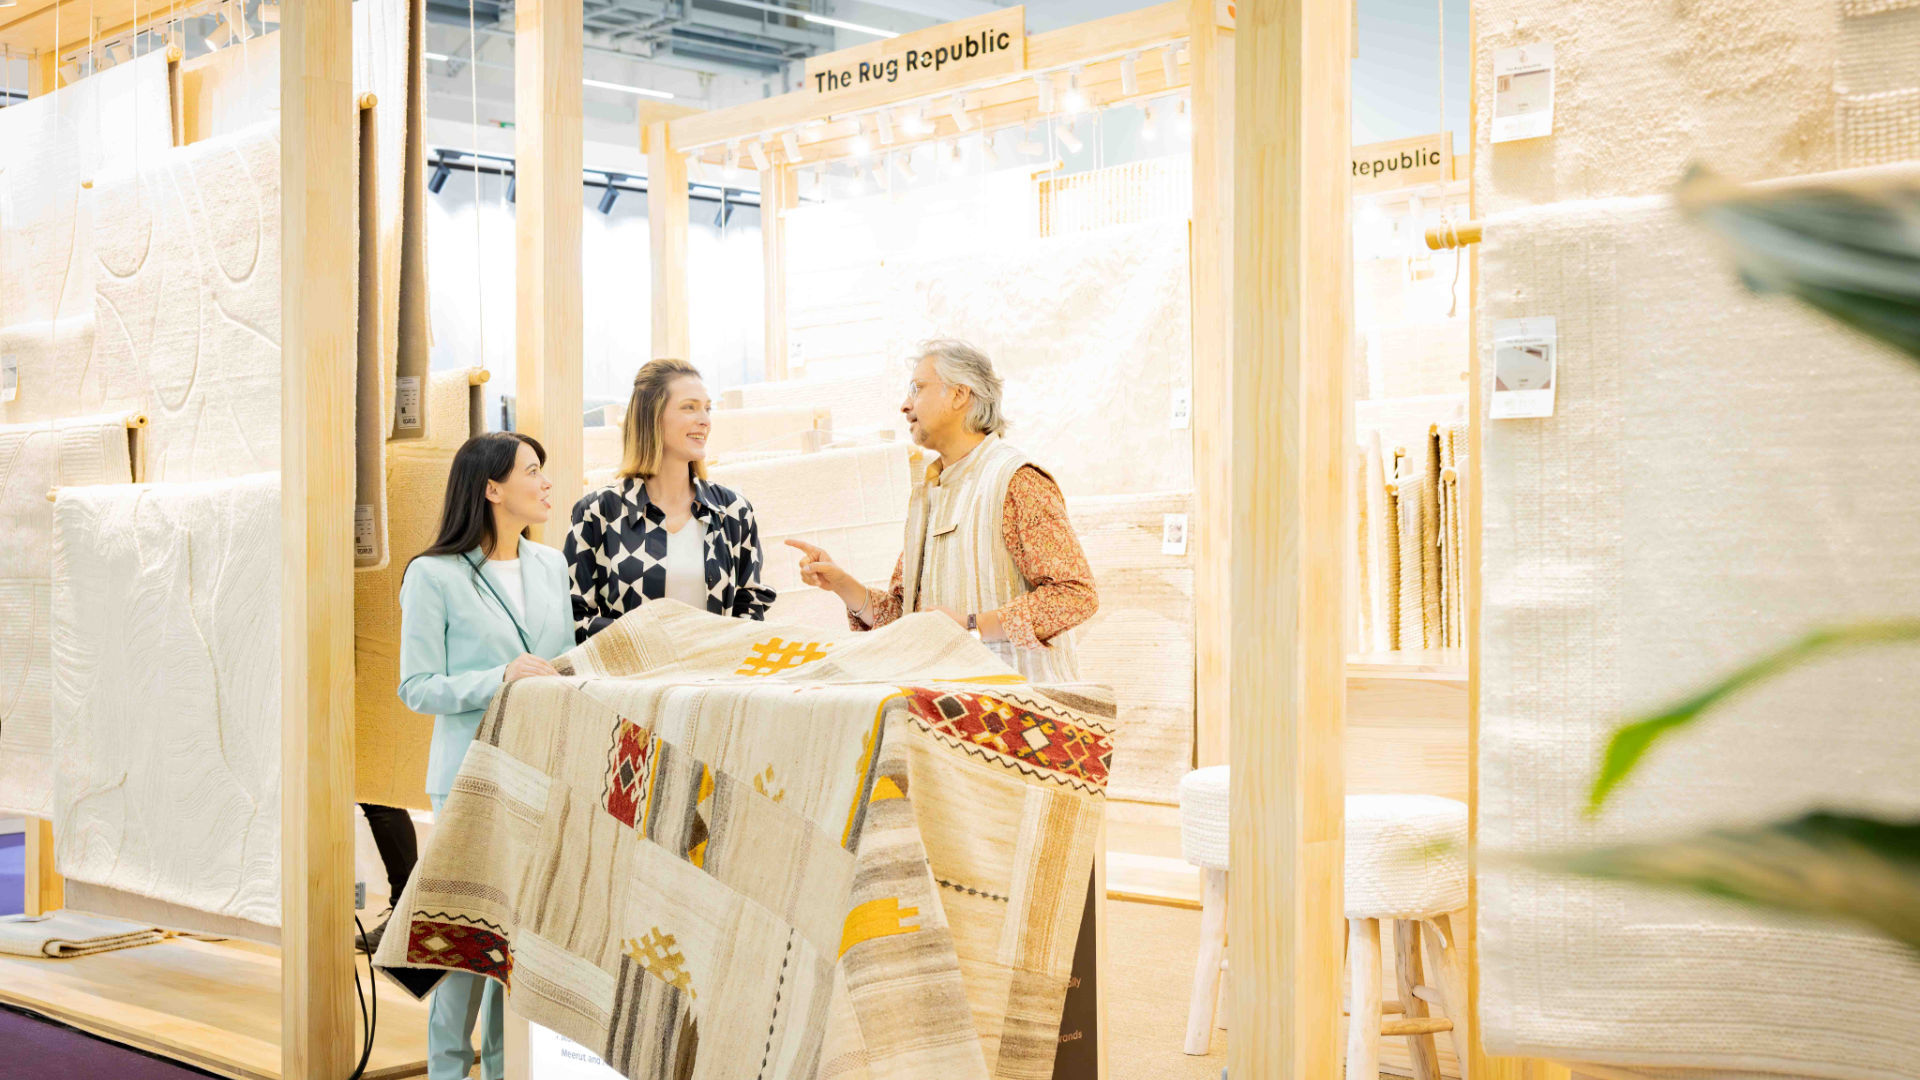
[
  {"x": 34, "y": 459},
  {"x": 166, "y": 692},
  {"x": 1711, "y": 486}
]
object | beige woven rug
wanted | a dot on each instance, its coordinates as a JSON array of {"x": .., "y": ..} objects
[
  {"x": 34, "y": 459},
  {"x": 1382, "y": 599},
  {"x": 727, "y": 849},
  {"x": 387, "y": 62},
  {"x": 166, "y": 692},
  {"x": 66, "y": 934},
  {"x": 1711, "y": 487},
  {"x": 391, "y": 741}
]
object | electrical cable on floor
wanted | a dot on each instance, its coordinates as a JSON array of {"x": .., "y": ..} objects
[{"x": 369, "y": 1020}]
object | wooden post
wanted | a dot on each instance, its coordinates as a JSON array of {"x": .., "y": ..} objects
[
  {"x": 547, "y": 152},
  {"x": 779, "y": 193},
  {"x": 667, "y": 240},
  {"x": 42, "y": 73},
  {"x": 1211, "y": 64},
  {"x": 1292, "y": 277},
  {"x": 318, "y": 281},
  {"x": 45, "y": 891}
]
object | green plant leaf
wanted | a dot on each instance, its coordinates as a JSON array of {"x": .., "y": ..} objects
[
  {"x": 1852, "y": 251},
  {"x": 1631, "y": 741},
  {"x": 1859, "y": 869}
]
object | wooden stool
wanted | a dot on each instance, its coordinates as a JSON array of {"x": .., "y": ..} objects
[{"x": 1406, "y": 862}]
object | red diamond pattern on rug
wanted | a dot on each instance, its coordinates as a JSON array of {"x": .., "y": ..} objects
[
  {"x": 461, "y": 948},
  {"x": 627, "y": 772},
  {"x": 1043, "y": 742}
]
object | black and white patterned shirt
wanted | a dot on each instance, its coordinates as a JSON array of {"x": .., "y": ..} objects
[{"x": 617, "y": 551}]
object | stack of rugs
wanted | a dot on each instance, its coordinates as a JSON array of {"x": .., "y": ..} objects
[
  {"x": 1410, "y": 541},
  {"x": 1708, "y": 489},
  {"x": 67, "y": 934},
  {"x": 728, "y": 849}
]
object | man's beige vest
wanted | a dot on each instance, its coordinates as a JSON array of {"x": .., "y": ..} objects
[{"x": 956, "y": 555}]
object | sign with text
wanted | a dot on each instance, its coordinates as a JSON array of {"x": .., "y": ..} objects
[
  {"x": 1403, "y": 163},
  {"x": 924, "y": 62}
]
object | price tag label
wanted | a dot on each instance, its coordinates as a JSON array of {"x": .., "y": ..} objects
[
  {"x": 363, "y": 545},
  {"x": 1524, "y": 368},
  {"x": 1523, "y": 92},
  {"x": 1173, "y": 534},
  {"x": 406, "y": 404}
]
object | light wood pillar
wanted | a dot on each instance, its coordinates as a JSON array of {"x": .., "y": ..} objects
[
  {"x": 319, "y": 277},
  {"x": 547, "y": 153},
  {"x": 1211, "y": 66},
  {"x": 46, "y": 891},
  {"x": 42, "y": 73},
  {"x": 779, "y": 193},
  {"x": 667, "y": 242},
  {"x": 1292, "y": 276}
]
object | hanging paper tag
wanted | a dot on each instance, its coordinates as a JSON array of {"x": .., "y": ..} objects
[
  {"x": 9, "y": 377},
  {"x": 406, "y": 404},
  {"x": 1523, "y": 92},
  {"x": 363, "y": 546},
  {"x": 1182, "y": 407},
  {"x": 1524, "y": 368},
  {"x": 552, "y": 1056},
  {"x": 1173, "y": 534}
]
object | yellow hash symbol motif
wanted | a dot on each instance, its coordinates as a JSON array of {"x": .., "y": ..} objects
[
  {"x": 774, "y": 656},
  {"x": 655, "y": 953}
]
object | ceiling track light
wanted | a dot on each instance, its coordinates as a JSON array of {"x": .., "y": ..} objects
[
  {"x": 961, "y": 118},
  {"x": 1149, "y": 131},
  {"x": 1170, "y": 64},
  {"x": 1043, "y": 84},
  {"x": 1029, "y": 145},
  {"x": 987, "y": 153},
  {"x": 791, "y": 143},
  {"x": 861, "y": 146},
  {"x": 612, "y": 193},
  {"x": 879, "y": 171},
  {"x": 759, "y": 154},
  {"x": 1076, "y": 98},
  {"x": 904, "y": 162},
  {"x": 732, "y": 160},
  {"x": 1130, "y": 74},
  {"x": 883, "y": 126},
  {"x": 439, "y": 178},
  {"x": 1068, "y": 139}
]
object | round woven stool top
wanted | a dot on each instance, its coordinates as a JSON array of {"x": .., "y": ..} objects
[
  {"x": 1406, "y": 856},
  {"x": 1203, "y": 817}
]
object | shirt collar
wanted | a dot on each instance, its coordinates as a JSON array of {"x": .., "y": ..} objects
[
  {"x": 634, "y": 490},
  {"x": 935, "y": 471}
]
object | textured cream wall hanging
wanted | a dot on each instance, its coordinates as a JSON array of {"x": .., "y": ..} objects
[
  {"x": 1713, "y": 484},
  {"x": 119, "y": 119},
  {"x": 187, "y": 302},
  {"x": 1141, "y": 641},
  {"x": 34, "y": 459},
  {"x": 852, "y": 502},
  {"x": 860, "y": 403},
  {"x": 166, "y": 692},
  {"x": 391, "y": 741}
]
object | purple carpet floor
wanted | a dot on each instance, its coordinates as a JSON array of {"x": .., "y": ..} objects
[{"x": 37, "y": 1049}]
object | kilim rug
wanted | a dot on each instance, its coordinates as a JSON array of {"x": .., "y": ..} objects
[{"x": 720, "y": 850}]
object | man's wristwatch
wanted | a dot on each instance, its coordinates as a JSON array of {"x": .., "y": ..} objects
[{"x": 973, "y": 626}]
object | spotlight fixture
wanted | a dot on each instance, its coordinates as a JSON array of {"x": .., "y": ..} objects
[
  {"x": 916, "y": 122},
  {"x": 70, "y": 71},
  {"x": 1029, "y": 145},
  {"x": 791, "y": 143},
  {"x": 987, "y": 153},
  {"x": 612, "y": 193},
  {"x": 439, "y": 178},
  {"x": 961, "y": 119},
  {"x": 513, "y": 188},
  {"x": 725, "y": 213},
  {"x": 883, "y": 124},
  {"x": 904, "y": 161},
  {"x": 1186, "y": 117},
  {"x": 759, "y": 154},
  {"x": 1149, "y": 131},
  {"x": 1043, "y": 84},
  {"x": 1068, "y": 139},
  {"x": 1130, "y": 74},
  {"x": 732, "y": 160},
  {"x": 880, "y": 173},
  {"x": 861, "y": 146},
  {"x": 1170, "y": 64},
  {"x": 1076, "y": 98}
]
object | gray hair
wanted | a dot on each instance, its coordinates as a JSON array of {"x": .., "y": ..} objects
[{"x": 960, "y": 364}]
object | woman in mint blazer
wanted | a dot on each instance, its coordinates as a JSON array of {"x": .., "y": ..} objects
[{"x": 481, "y": 607}]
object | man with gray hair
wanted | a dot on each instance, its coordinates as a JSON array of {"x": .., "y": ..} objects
[{"x": 988, "y": 543}]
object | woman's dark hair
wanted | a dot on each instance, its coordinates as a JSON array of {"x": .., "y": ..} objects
[{"x": 466, "y": 518}]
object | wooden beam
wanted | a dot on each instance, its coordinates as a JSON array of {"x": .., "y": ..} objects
[
  {"x": 667, "y": 239},
  {"x": 1211, "y": 50},
  {"x": 547, "y": 232},
  {"x": 1292, "y": 290},
  {"x": 46, "y": 891},
  {"x": 318, "y": 120},
  {"x": 779, "y": 193}
]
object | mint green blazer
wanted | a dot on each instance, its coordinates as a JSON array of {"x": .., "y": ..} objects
[{"x": 456, "y": 640}]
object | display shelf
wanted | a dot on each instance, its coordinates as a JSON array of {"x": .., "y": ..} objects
[{"x": 212, "y": 1005}]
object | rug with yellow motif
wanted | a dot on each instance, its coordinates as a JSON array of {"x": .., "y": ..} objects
[{"x": 723, "y": 849}]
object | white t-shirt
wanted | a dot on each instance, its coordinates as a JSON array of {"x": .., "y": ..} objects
[
  {"x": 505, "y": 575},
  {"x": 687, "y": 564}
]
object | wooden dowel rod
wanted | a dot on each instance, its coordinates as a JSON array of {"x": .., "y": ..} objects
[
  {"x": 368, "y": 100},
  {"x": 1441, "y": 237},
  {"x": 51, "y": 492},
  {"x": 478, "y": 376},
  {"x": 1426, "y": 1025},
  {"x": 137, "y": 420},
  {"x": 1387, "y": 1008},
  {"x": 175, "y": 54}
]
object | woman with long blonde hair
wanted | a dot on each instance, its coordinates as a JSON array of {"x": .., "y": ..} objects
[{"x": 661, "y": 529}]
